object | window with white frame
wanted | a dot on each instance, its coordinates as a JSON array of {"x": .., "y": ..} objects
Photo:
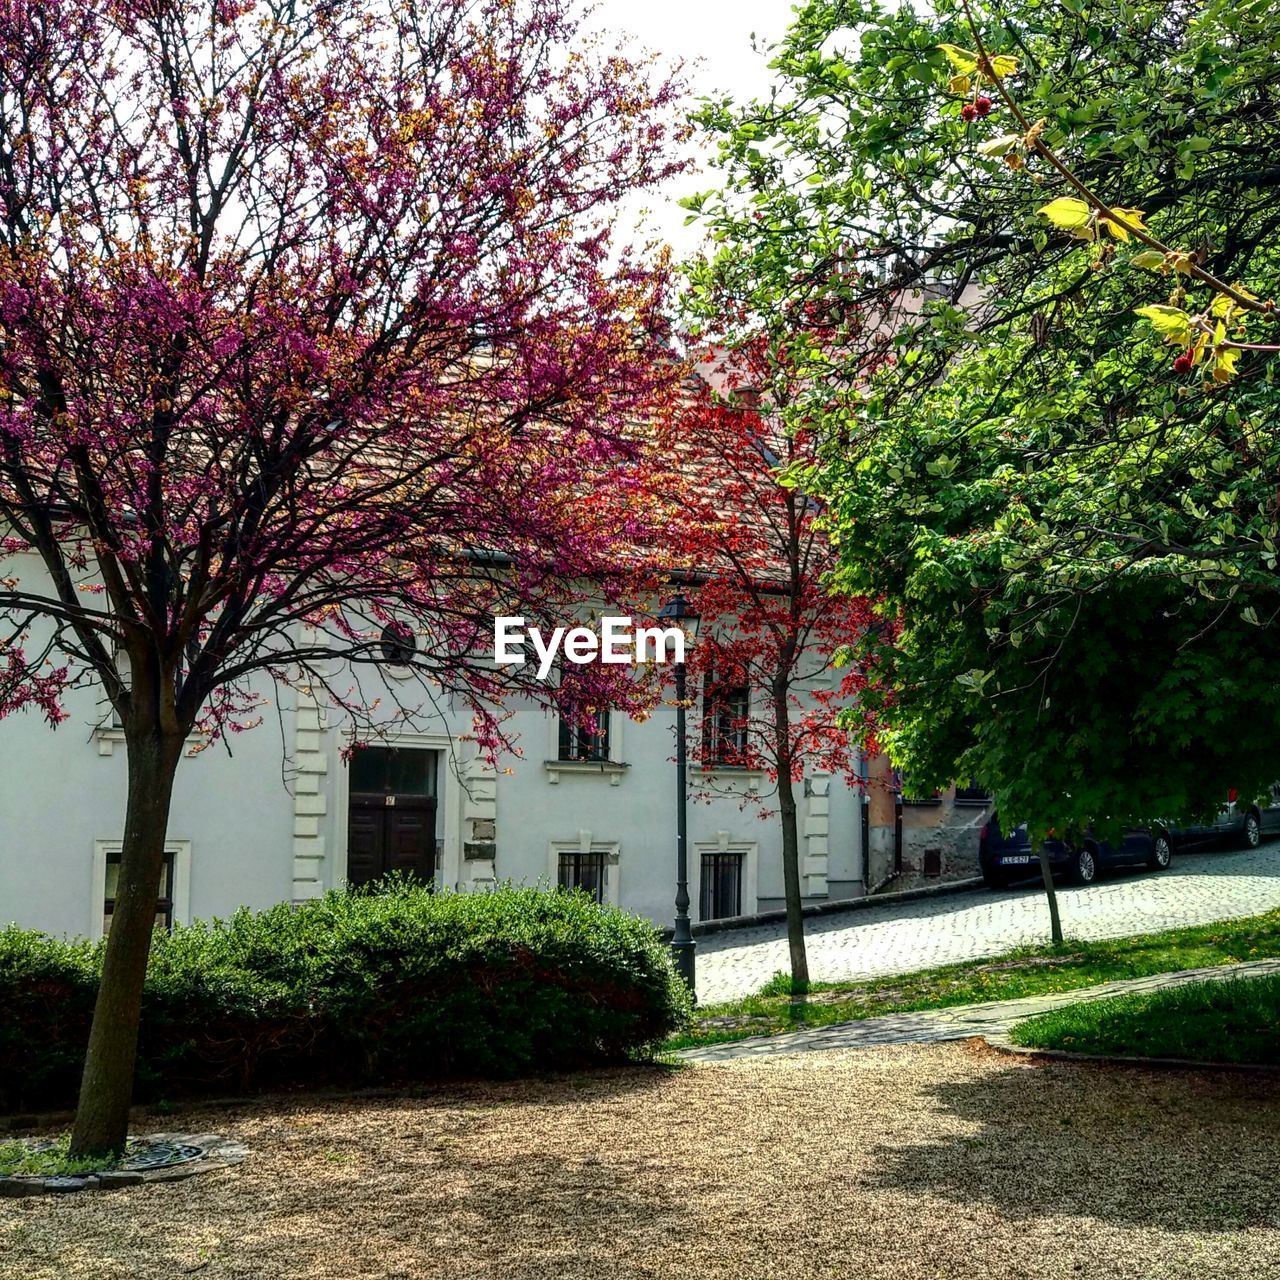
[
  {"x": 588, "y": 865},
  {"x": 110, "y": 716},
  {"x": 172, "y": 899}
]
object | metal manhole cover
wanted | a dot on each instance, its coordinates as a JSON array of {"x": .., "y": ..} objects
[{"x": 141, "y": 1155}]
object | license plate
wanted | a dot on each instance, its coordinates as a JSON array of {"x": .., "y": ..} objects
[{"x": 1020, "y": 858}]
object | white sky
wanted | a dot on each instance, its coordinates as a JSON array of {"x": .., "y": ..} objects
[{"x": 713, "y": 38}]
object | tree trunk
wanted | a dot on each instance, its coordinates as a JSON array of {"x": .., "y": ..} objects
[
  {"x": 1055, "y": 921},
  {"x": 790, "y": 850},
  {"x": 106, "y": 1088}
]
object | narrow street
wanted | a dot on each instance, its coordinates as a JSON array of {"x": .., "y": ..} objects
[{"x": 1197, "y": 888}]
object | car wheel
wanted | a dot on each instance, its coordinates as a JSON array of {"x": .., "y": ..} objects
[
  {"x": 1161, "y": 851},
  {"x": 1084, "y": 865},
  {"x": 1252, "y": 831},
  {"x": 994, "y": 879}
]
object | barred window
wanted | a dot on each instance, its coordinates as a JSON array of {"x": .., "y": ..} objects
[
  {"x": 584, "y": 871},
  {"x": 721, "y": 885}
]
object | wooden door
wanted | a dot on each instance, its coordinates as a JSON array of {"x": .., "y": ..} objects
[
  {"x": 366, "y": 843},
  {"x": 391, "y": 825}
]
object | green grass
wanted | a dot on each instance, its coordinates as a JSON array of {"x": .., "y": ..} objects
[
  {"x": 1026, "y": 972},
  {"x": 16, "y": 1156},
  {"x": 1234, "y": 1021}
]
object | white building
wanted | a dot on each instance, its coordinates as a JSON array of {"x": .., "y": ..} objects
[{"x": 275, "y": 814}]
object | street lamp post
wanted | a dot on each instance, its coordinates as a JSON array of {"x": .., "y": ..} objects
[{"x": 681, "y": 613}]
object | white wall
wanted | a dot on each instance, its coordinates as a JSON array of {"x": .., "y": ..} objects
[
  {"x": 268, "y": 823},
  {"x": 62, "y": 790}
]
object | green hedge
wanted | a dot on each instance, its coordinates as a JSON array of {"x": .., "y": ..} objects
[{"x": 401, "y": 984}]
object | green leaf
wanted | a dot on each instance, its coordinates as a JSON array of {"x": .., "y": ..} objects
[
  {"x": 1000, "y": 146},
  {"x": 1173, "y": 322},
  {"x": 965, "y": 63},
  {"x": 1148, "y": 259},
  {"x": 1069, "y": 214}
]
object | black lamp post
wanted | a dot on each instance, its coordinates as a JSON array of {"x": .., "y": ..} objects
[{"x": 679, "y": 612}]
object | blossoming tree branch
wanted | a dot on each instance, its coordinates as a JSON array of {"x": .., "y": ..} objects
[{"x": 311, "y": 325}]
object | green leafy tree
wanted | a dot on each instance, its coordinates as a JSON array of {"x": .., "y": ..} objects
[{"x": 1074, "y": 533}]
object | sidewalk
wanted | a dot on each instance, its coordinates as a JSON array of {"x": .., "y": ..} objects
[{"x": 959, "y": 1023}]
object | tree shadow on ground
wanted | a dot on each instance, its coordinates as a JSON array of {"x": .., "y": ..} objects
[
  {"x": 1179, "y": 1151},
  {"x": 551, "y": 1089}
]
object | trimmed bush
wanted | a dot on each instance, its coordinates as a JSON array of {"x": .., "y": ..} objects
[{"x": 396, "y": 985}]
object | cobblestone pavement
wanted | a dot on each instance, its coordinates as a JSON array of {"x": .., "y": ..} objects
[
  {"x": 1197, "y": 888},
  {"x": 959, "y": 1023}
]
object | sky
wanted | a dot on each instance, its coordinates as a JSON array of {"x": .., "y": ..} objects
[{"x": 713, "y": 37}]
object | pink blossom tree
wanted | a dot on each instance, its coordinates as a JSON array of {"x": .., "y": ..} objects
[{"x": 310, "y": 325}]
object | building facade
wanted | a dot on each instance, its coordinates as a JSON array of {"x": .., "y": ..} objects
[{"x": 279, "y": 814}]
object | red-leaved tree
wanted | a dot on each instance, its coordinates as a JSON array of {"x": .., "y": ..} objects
[
  {"x": 310, "y": 326},
  {"x": 771, "y": 629}
]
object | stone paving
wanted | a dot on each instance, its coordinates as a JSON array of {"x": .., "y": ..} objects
[
  {"x": 876, "y": 942},
  {"x": 992, "y": 1019}
]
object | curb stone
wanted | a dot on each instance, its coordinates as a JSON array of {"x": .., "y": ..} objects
[
  {"x": 706, "y": 928},
  {"x": 1002, "y": 1045}
]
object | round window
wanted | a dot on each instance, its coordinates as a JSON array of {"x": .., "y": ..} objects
[{"x": 398, "y": 644}]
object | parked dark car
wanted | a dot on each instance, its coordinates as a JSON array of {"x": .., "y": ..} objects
[
  {"x": 1238, "y": 822},
  {"x": 1003, "y": 858}
]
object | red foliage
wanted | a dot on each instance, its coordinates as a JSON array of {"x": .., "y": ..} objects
[{"x": 754, "y": 543}]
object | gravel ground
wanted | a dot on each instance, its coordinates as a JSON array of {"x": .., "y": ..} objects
[{"x": 940, "y": 1161}]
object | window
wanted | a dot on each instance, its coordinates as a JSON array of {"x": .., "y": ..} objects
[
  {"x": 112, "y": 716},
  {"x": 589, "y": 741},
  {"x": 725, "y": 708},
  {"x": 164, "y": 903},
  {"x": 973, "y": 794},
  {"x": 401, "y": 771},
  {"x": 907, "y": 794},
  {"x": 585, "y": 871},
  {"x": 173, "y": 902},
  {"x": 721, "y": 886},
  {"x": 398, "y": 645}
]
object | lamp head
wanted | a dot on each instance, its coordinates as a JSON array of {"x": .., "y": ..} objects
[{"x": 680, "y": 613}]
